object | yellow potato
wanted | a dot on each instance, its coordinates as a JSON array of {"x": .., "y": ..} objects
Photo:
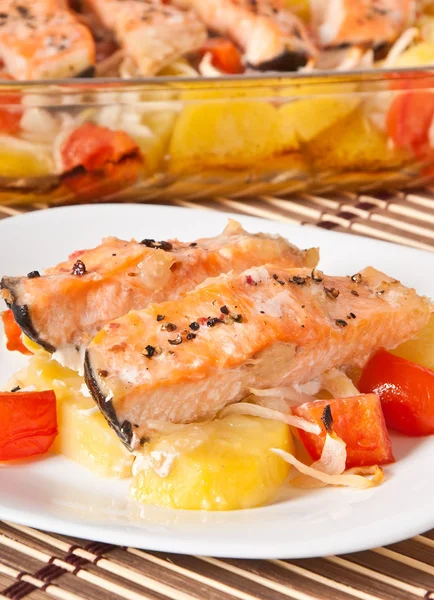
[
  {"x": 214, "y": 134},
  {"x": 154, "y": 147},
  {"x": 303, "y": 120},
  {"x": 21, "y": 163},
  {"x": 354, "y": 143},
  {"x": 420, "y": 349},
  {"x": 417, "y": 55},
  {"x": 301, "y": 8},
  {"x": 222, "y": 465},
  {"x": 84, "y": 435}
]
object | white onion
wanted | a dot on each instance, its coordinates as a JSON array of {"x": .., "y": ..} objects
[
  {"x": 338, "y": 384},
  {"x": 254, "y": 410},
  {"x": 290, "y": 393},
  {"x": 353, "y": 478},
  {"x": 333, "y": 456}
]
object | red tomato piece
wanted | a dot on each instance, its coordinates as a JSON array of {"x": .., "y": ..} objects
[
  {"x": 409, "y": 119},
  {"x": 9, "y": 117},
  {"x": 358, "y": 421},
  {"x": 92, "y": 146},
  {"x": 29, "y": 423},
  {"x": 225, "y": 55},
  {"x": 13, "y": 333},
  {"x": 406, "y": 391}
]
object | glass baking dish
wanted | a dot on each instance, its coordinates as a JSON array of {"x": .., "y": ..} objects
[{"x": 130, "y": 140}]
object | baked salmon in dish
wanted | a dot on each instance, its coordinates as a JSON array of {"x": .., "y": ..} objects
[
  {"x": 185, "y": 360},
  {"x": 362, "y": 23},
  {"x": 44, "y": 40},
  {"x": 269, "y": 34},
  {"x": 62, "y": 308},
  {"x": 153, "y": 33}
]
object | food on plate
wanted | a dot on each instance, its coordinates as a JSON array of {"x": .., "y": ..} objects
[
  {"x": 205, "y": 391},
  {"x": 420, "y": 349},
  {"x": 406, "y": 391},
  {"x": 29, "y": 423},
  {"x": 65, "y": 306},
  {"x": 225, "y": 464},
  {"x": 266, "y": 327}
]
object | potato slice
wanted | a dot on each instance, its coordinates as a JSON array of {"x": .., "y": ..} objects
[
  {"x": 420, "y": 349},
  {"x": 221, "y": 465}
]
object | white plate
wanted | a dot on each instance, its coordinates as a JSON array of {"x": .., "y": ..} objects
[{"x": 57, "y": 495}]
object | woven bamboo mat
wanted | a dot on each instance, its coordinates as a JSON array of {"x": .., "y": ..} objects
[{"x": 37, "y": 565}]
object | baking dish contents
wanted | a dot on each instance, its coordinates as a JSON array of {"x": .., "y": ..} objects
[{"x": 209, "y": 123}]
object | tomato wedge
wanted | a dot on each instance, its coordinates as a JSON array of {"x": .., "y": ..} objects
[
  {"x": 406, "y": 391},
  {"x": 13, "y": 333},
  {"x": 92, "y": 147},
  {"x": 29, "y": 423},
  {"x": 409, "y": 119},
  {"x": 358, "y": 421},
  {"x": 225, "y": 56}
]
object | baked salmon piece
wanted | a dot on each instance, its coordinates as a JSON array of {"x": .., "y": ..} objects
[
  {"x": 269, "y": 34},
  {"x": 184, "y": 360},
  {"x": 44, "y": 40},
  {"x": 63, "y": 308},
  {"x": 364, "y": 22},
  {"x": 152, "y": 32}
]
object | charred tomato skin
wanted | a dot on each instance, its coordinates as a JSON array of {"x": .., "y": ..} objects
[
  {"x": 105, "y": 405},
  {"x": 22, "y": 315}
]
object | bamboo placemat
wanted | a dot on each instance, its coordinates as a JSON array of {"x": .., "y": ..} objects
[{"x": 36, "y": 565}]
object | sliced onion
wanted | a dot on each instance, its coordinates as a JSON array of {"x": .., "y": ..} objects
[
  {"x": 333, "y": 456},
  {"x": 290, "y": 393},
  {"x": 357, "y": 478},
  {"x": 254, "y": 410},
  {"x": 400, "y": 46},
  {"x": 338, "y": 384}
]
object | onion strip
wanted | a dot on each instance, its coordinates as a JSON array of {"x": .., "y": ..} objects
[
  {"x": 357, "y": 478},
  {"x": 255, "y": 410}
]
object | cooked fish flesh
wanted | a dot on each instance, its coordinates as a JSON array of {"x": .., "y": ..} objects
[
  {"x": 67, "y": 305},
  {"x": 153, "y": 32},
  {"x": 270, "y": 35},
  {"x": 361, "y": 22},
  {"x": 262, "y": 328},
  {"x": 43, "y": 40}
]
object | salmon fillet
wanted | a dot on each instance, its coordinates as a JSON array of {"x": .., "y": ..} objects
[
  {"x": 361, "y": 22},
  {"x": 270, "y": 35},
  {"x": 152, "y": 32},
  {"x": 44, "y": 40},
  {"x": 263, "y": 328},
  {"x": 63, "y": 308}
]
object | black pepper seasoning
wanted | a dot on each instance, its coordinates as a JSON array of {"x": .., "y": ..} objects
[
  {"x": 169, "y": 327},
  {"x": 176, "y": 341},
  {"x": 102, "y": 372},
  {"x": 332, "y": 292},
  {"x": 191, "y": 336},
  {"x": 357, "y": 278},
  {"x": 16, "y": 389},
  {"x": 33, "y": 274},
  {"x": 224, "y": 309},
  {"x": 160, "y": 317},
  {"x": 298, "y": 280},
  {"x": 316, "y": 275},
  {"x": 149, "y": 351},
  {"x": 79, "y": 268},
  {"x": 341, "y": 323},
  {"x": 194, "y": 326},
  {"x": 162, "y": 245},
  {"x": 355, "y": 292},
  {"x": 213, "y": 321}
]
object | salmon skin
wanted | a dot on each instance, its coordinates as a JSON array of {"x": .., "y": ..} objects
[
  {"x": 152, "y": 32},
  {"x": 263, "y": 328},
  {"x": 270, "y": 35},
  {"x": 361, "y": 22},
  {"x": 67, "y": 305},
  {"x": 43, "y": 40}
]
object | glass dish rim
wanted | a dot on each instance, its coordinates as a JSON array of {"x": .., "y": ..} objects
[{"x": 226, "y": 82}]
